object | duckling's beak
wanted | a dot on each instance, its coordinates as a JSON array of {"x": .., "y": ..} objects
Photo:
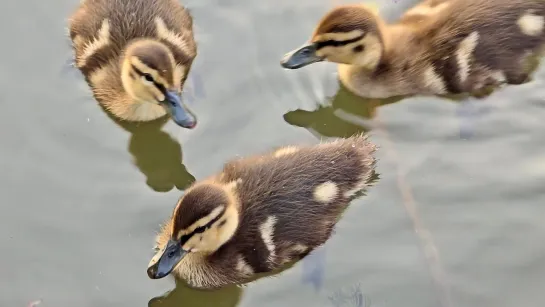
[
  {"x": 300, "y": 57},
  {"x": 179, "y": 113},
  {"x": 166, "y": 260}
]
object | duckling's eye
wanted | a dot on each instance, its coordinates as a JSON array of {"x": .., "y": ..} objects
[
  {"x": 199, "y": 229},
  {"x": 358, "y": 48},
  {"x": 147, "y": 78}
]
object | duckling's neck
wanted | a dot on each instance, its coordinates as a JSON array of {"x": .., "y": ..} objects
[
  {"x": 392, "y": 36},
  {"x": 229, "y": 227},
  {"x": 396, "y": 35}
]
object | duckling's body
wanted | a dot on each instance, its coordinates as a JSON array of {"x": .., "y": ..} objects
[
  {"x": 263, "y": 212},
  {"x": 437, "y": 47},
  {"x": 135, "y": 56}
]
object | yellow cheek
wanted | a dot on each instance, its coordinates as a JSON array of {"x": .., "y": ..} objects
[
  {"x": 157, "y": 95},
  {"x": 321, "y": 53},
  {"x": 192, "y": 243},
  {"x": 140, "y": 90},
  {"x": 333, "y": 54}
]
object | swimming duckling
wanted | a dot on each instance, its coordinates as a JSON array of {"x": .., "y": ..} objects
[
  {"x": 135, "y": 55},
  {"x": 261, "y": 212},
  {"x": 438, "y": 47}
]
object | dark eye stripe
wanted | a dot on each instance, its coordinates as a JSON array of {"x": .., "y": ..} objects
[
  {"x": 336, "y": 43},
  {"x": 138, "y": 71},
  {"x": 159, "y": 86},
  {"x": 200, "y": 229}
]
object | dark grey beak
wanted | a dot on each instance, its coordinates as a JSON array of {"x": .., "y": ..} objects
[
  {"x": 179, "y": 113},
  {"x": 300, "y": 57},
  {"x": 165, "y": 260}
]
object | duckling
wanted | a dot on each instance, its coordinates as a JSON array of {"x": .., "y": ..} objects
[
  {"x": 261, "y": 212},
  {"x": 439, "y": 47},
  {"x": 135, "y": 56}
]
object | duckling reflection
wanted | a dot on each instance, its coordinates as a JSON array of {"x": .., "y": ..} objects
[
  {"x": 156, "y": 154},
  {"x": 337, "y": 119},
  {"x": 184, "y": 296}
]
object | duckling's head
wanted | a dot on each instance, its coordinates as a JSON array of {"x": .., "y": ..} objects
[
  {"x": 204, "y": 219},
  {"x": 149, "y": 75},
  {"x": 348, "y": 34}
]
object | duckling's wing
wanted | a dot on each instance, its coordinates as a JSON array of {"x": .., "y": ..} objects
[{"x": 300, "y": 182}]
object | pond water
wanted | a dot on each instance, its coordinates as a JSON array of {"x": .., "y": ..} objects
[{"x": 455, "y": 220}]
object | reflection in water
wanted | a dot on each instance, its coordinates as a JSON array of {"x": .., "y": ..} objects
[
  {"x": 345, "y": 115},
  {"x": 183, "y": 296},
  {"x": 314, "y": 265},
  {"x": 313, "y": 272},
  {"x": 156, "y": 154},
  {"x": 468, "y": 113},
  {"x": 350, "y": 297},
  {"x": 186, "y": 296}
]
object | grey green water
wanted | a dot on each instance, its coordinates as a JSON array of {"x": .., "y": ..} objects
[{"x": 455, "y": 220}]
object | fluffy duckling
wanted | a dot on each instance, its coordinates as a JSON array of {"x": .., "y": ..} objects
[
  {"x": 438, "y": 47},
  {"x": 135, "y": 55},
  {"x": 261, "y": 212}
]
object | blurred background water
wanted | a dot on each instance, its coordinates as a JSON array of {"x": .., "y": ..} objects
[{"x": 455, "y": 220}]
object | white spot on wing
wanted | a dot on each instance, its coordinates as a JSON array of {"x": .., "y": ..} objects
[
  {"x": 299, "y": 248},
  {"x": 531, "y": 24},
  {"x": 326, "y": 192},
  {"x": 285, "y": 151},
  {"x": 267, "y": 232},
  {"x": 433, "y": 81},
  {"x": 499, "y": 76},
  {"x": 463, "y": 54},
  {"x": 243, "y": 267},
  {"x": 102, "y": 39}
]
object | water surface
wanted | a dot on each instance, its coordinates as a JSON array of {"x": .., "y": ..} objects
[{"x": 83, "y": 196}]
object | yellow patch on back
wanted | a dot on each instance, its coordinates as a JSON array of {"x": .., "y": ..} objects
[
  {"x": 174, "y": 38},
  {"x": 102, "y": 39},
  {"x": 530, "y": 24}
]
